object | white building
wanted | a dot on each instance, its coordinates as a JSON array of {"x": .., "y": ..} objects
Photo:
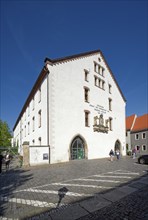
[{"x": 75, "y": 108}]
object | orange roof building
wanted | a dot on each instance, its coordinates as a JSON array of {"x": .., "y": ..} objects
[
  {"x": 137, "y": 133},
  {"x": 141, "y": 123}
]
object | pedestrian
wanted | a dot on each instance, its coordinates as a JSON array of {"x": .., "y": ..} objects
[
  {"x": 111, "y": 154},
  {"x": 1, "y": 162},
  {"x": 7, "y": 160},
  {"x": 134, "y": 153},
  {"x": 117, "y": 154}
]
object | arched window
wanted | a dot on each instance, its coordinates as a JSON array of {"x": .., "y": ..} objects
[{"x": 77, "y": 150}]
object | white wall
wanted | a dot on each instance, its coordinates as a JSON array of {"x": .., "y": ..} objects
[{"x": 68, "y": 110}]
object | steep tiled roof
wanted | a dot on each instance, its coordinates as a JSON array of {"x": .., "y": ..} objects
[
  {"x": 130, "y": 122},
  {"x": 141, "y": 123}
]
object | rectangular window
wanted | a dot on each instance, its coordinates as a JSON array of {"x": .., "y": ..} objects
[
  {"x": 95, "y": 80},
  {"x": 143, "y": 135},
  {"x": 33, "y": 123},
  {"x": 39, "y": 141},
  {"x": 28, "y": 128},
  {"x": 25, "y": 131},
  {"x": 110, "y": 104},
  {"x": 86, "y": 75},
  {"x": 136, "y": 136},
  {"x": 95, "y": 67},
  {"x": 144, "y": 147},
  {"x": 39, "y": 115},
  {"x": 103, "y": 85},
  {"x": 86, "y": 94},
  {"x": 110, "y": 124},
  {"x": 87, "y": 118},
  {"x": 110, "y": 88}
]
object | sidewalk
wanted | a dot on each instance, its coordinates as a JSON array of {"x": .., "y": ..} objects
[{"x": 126, "y": 202}]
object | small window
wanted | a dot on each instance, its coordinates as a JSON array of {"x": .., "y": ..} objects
[
  {"x": 86, "y": 94},
  {"x": 86, "y": 75},
  {"x": 95, "y": 80},
  {"x": 110, "y": 104},
  {"x": 86, "y": 118},
  {"x": 28, "y": 128},
  {"x": 110, "y": 88},
  {"x": 110, "y": 124},
  {"x": 33, "y": 123},
  {"x": 103, "y": 85},
  {"x": 144, "y": 147},
  {"x": 39, "y": 115},
  {"x": 39, "y": 141},
  {"x": 33, "y": 141},
  {"x": 136, "y": 136},
  {"x": 143, "y": 135}
]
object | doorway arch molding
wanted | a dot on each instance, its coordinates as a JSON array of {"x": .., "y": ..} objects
[
  {"x": 117, "y": 146},
  {"x": 78, "y": 148}
]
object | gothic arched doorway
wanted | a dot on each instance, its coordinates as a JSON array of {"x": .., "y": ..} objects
[
  {"x": 77, "y": 149},
  {"x": 118, "y": 146}
]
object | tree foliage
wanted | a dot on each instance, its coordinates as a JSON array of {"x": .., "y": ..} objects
[{"x": 5, "y": 134}]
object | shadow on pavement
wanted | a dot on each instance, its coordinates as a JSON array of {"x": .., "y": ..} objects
[{"x": 10, "y": 180}]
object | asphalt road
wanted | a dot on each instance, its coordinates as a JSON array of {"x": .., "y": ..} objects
[{"x": 40, "y": 192}]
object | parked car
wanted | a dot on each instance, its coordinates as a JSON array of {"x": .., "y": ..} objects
[{"x": 143, "y": 159}]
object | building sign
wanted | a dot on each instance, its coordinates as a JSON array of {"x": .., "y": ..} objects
[
  {"x": 99, "y": 124},
  {"x": 100, "y": 109}
]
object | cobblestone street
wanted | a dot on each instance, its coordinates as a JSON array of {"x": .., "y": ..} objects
[
  {"x": 134, "y": 206},
  {"x": 82, "y": 189}
]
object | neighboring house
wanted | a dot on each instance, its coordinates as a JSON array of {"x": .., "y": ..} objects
[
  {"x": 76, "y": 108},
  {"x": 130, "y": 120},
  {"x": 137, "y": 135}
]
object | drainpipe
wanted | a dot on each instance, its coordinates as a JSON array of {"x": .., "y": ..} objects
[{"x": 48, "y": 110}]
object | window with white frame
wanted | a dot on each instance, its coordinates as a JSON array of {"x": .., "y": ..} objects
[
  {"x": 110, "y": 88},
  {"x": 110, "y": 124},
  {"x": 87, "y": 113},
  {"x": 144, "y": 135},
  {"x": 144, "y": 148},
  {"x": 110, "y": 104},
  {"x": 28, "y": 128},
  {"x": 39, "y": 116},
  {"x": 25, "y": 131},
  {"x": 86, "y": 94},
  {"x": 86, "y": 73},
  {"x": 40, "y": 141},
  {"x": 33, "y": 123},
  {"x": 136, "y": 136}
]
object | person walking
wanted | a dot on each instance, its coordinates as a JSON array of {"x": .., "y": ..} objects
[
  {"x": 7, "y": 161},
  {"x": 117, "y": 154},
  {"x": 111, "y": 154},
  {"x": 1, "y": 162}
]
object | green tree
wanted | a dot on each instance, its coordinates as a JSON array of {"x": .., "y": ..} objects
[{"x": 5, "y": 134}]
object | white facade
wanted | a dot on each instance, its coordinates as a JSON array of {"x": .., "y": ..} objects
[{"x": 73, "y": 91}]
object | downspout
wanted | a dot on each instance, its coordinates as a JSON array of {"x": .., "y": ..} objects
[{"x": 48, "y": 112}]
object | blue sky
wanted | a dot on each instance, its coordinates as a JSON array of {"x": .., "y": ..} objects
[{"x": 33, "y": 30}]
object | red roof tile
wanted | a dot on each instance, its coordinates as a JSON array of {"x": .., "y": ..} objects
[
  {"x": 141, "y": 123},
  {"x": 129, "y": 122}
]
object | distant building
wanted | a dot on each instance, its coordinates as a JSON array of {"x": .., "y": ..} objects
[
  {"x": 75, "y": 108},
  {"x": 137, "y": 133}
]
